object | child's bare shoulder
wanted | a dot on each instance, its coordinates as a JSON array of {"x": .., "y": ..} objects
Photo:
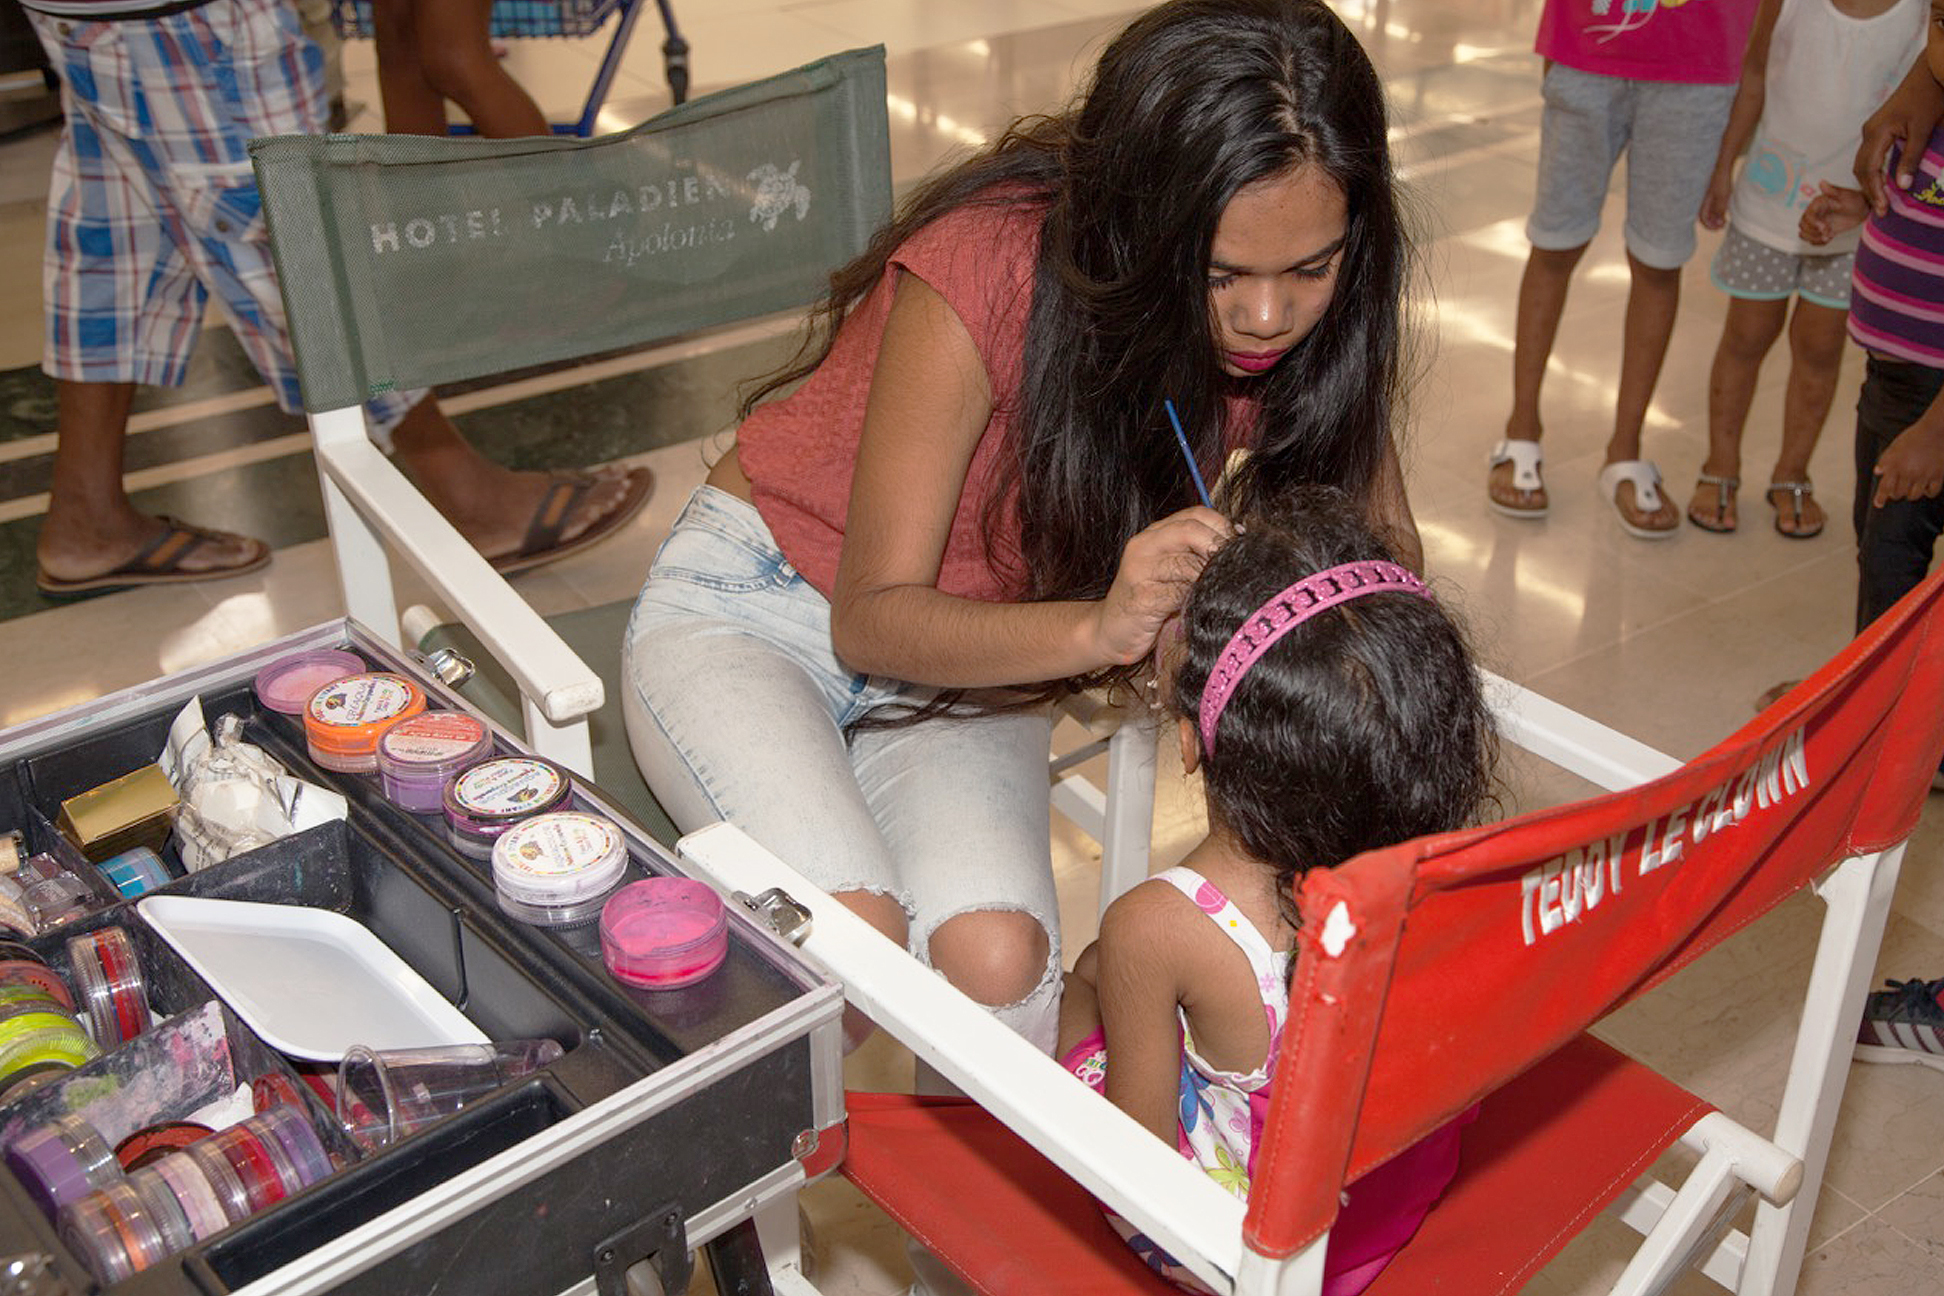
[{"x": 1156, "y": 919}]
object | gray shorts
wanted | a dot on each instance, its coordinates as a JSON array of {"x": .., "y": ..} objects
[
  {"x": 1745, "y": 267},
  {"x": 1670, "y": 133}
]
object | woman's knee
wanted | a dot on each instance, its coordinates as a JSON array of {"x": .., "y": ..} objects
[{"x": 996, "y": 956}]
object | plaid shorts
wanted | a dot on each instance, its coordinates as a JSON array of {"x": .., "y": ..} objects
[{"x": 153, "y": 206}]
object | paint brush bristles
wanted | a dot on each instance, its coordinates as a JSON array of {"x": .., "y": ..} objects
[{"x": 1181, "y": 439}]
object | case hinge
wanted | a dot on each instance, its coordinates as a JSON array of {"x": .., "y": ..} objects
[{"x": 778, "y": 911}]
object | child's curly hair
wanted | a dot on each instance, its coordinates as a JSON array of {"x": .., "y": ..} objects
[{"x": 1362, "y": 727}]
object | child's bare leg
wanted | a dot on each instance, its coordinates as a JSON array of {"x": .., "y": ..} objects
[
  {"x": 1079, "y": 1001},
  {"x": 1542, "y": 300},
  {"x": 1746, "y": 336},
  {"x": 1816, "y": 335},
  {"x": 459, "y": 63},
  {"x": 412, "y": 106}
]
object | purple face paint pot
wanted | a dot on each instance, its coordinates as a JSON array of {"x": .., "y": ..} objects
[
  {"x": 557, "y": 870},
  {"x": 286, "y": 684},
  {"x": 486, "y": 799},
  {"x": 419, "y": 756},
  {"x": 61, "y": 1162},
  {"x": 343, "y": 721},
  {"x": 299, "y": 1142},
  {"x": 664, "y": 933}
]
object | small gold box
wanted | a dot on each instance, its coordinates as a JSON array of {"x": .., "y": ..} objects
[{"x": 136, "y": 809}]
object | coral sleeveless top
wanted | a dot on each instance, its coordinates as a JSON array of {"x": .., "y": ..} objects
[{"x": 799, "y": 452}]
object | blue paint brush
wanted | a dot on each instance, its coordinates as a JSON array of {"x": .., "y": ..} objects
[{"x": 1181, "y": 439}]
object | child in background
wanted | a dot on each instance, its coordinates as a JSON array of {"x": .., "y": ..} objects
[
  {"x": 1655, "y": 80},
  {"x": 1358, "y": 723},
  {"x": 1814, "y": 70},
  {"x": 1898, "y": 280}
]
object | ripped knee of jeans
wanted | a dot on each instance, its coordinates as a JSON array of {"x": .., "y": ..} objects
[{"x": 999, "y": 957}]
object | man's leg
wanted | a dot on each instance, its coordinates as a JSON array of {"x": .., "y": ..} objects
[
  {"x": 493, "y": 506},
  {"x": 92, "y": 527}
]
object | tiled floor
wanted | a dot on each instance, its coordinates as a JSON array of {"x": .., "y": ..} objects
[{"x": 1671, "y": 642}]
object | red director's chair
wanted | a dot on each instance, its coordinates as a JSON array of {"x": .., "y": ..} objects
[{"x": 1434, "y": 975}]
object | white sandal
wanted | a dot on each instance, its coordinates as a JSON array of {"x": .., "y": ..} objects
[
  {"x": 1525, "y": 458},
  {"x": 1647, "y": 498}
]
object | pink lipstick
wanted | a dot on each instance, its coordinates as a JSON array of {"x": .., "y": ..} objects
[{"x": 1258, "y": 363}]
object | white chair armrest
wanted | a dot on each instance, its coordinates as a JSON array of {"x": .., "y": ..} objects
[
  {"x": 1096, "y": 1143},
  {"x": 551, "y": 677}
]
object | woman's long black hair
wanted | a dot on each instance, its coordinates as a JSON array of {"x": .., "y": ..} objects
[
  {"x": 1193, "y": 101},
  {"x": 1364, "y": 726}
]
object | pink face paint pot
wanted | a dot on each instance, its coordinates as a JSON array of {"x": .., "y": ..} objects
[
  {"x": 664, "y": 933},
  {"x": 419, "y": 756},
  {"x": 344, "y": 720},
  {"x": 286, "y": 684},
  {"x": 185, "y": 1181},
  {"x": 486, "y": 799},
  {"x": 557, "y": 870}
]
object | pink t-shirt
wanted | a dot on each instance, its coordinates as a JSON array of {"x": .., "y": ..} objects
[
  {"x": 799, "y": 452},
  {"x": 1695, "y": 41}
]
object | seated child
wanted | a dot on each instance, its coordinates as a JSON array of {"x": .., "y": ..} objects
[{"x": 1356, "y": 723}]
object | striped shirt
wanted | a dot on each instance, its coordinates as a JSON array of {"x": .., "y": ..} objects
[{"x": 1897, "y": 294}]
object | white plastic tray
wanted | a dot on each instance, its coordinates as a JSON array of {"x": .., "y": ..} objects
[{"x": 311, "y": 982}]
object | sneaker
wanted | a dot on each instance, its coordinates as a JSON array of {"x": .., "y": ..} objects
[{"x": 1904, "y": 1024}]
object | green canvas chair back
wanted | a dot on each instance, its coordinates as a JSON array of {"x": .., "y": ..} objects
[{"x": 407, "y": 261}]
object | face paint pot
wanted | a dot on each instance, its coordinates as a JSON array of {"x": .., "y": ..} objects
[
  {"x": 287, "y": 684},
  {"x": 61, "y": 1162},
  {"x": 419, "y": 756},
  {"x": 344, "y": 720},
  {"x": 557, "y": 870},
  {"x": 486, "y": 799},
  {"x": 664, "y": 933}
]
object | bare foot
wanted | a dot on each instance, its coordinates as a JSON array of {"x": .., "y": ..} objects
[
  {"x": 136, "y": 549},
  {"x": 1663, "y": 518},
  {"x": 1797, "y": 515},
  {"x": 1503, "y": 493},
  {"x": 1713, "y": 507}
]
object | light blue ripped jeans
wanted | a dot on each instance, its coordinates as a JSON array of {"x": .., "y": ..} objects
[{"x": 736, "y": 703}]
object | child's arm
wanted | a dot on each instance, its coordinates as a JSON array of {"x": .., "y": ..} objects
[
  {"x": 1743, "y": 117},
  {"x": 1140, "y": 986},
  {"x": 1908, "y": 117},
  {"x": 1913, "y": 467},
  {"x": 1830, "y": 212}
]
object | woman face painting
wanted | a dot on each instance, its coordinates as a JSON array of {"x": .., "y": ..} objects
[{"x": 1272, "y": 267}]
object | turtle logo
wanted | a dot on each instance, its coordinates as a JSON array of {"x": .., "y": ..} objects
[{"x": 776, "y": 192}]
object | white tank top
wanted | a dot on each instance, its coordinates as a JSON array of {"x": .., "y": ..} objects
[{"x": 1826, "y": 73}]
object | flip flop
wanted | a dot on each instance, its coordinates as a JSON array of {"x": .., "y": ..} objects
[
  {"x": 542, "y": 543},
  {"x": 159, "y": 562},
  {"x": 1647, "y": 498},
  {"x": 1725, "y": 491},
  {"x": 1798, "y": 491},
  {"x": 1525, "y": 458}
]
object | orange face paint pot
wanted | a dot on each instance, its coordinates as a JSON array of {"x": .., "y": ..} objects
[{"x": 345, "y": 719}]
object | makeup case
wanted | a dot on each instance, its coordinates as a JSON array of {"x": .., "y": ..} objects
[{"x": 673, "y": 1118}]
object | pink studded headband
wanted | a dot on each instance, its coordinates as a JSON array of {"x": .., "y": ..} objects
[{"x": 1283, "y": 613}]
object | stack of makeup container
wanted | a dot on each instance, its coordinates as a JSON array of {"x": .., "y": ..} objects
[
  {"x": 123, "y": 1211},
  {"x": 552, "y": 866},
  {"x": 49, "y": 1027}
]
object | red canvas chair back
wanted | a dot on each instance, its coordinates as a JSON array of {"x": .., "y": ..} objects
[{"x": 1430, "y": 974}]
